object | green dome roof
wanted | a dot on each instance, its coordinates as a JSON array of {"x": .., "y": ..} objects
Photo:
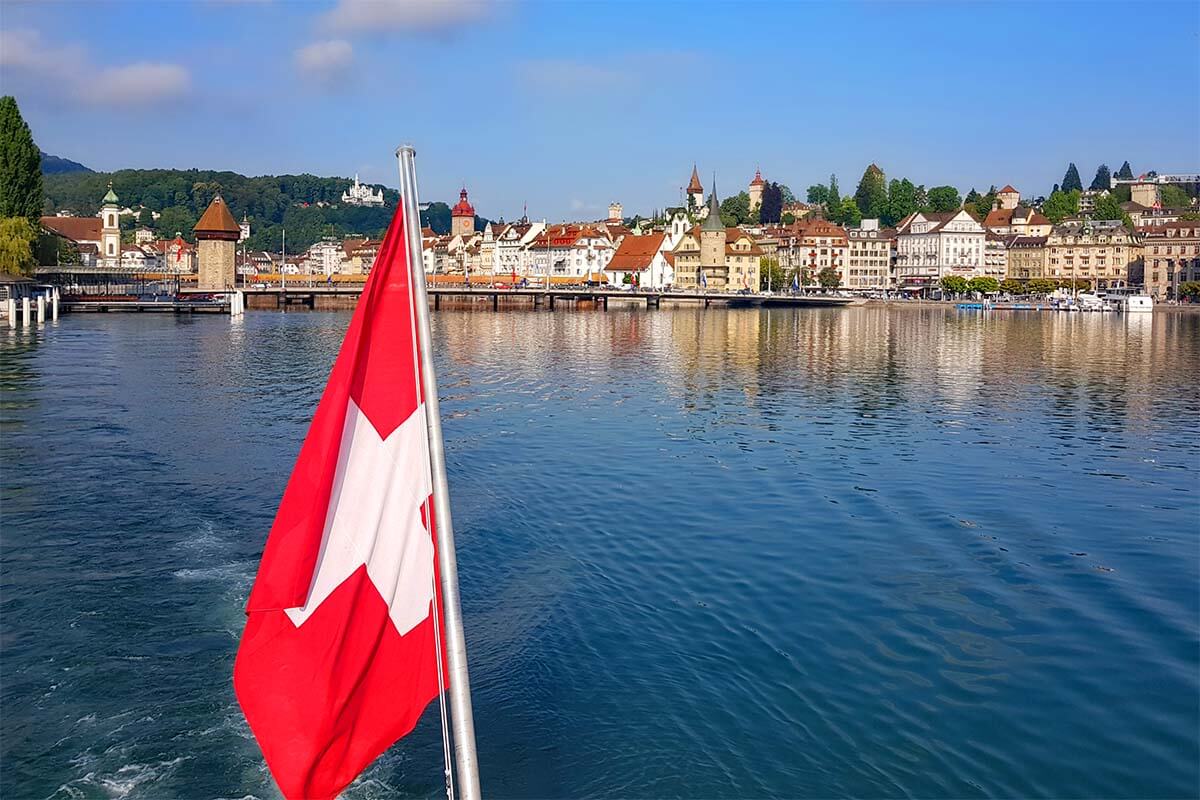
[{"x": 111, "y": 197}]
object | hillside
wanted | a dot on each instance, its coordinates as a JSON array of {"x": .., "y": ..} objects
[
  {"x": 306, "y": 205},
  {"x": 53, "y": 165}
]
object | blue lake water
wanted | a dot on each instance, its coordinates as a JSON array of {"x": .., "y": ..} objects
[{"x": 704, "y": 553}]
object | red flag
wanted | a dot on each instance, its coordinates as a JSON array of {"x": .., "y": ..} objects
[
  {"x": 179, "y": 256},
  {"x": 338, "y": 659}
]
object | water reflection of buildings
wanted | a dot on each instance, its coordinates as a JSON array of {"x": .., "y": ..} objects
[{"x": 1104, "y": 369}]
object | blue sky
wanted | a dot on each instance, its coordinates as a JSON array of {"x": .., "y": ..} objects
[{"x": 569, "y": 105}]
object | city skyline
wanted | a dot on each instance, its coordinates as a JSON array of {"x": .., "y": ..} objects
[{"x": 568, "y": 107}]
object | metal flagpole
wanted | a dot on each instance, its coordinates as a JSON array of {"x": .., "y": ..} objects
[{"x": 461, "y": 721}]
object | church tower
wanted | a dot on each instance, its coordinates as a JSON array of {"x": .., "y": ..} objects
[
  {"x": 712, "y": 243},
  {"x": 217, "y": 233},
  {"x": 110, "y": 229},
  {"x": 462, "y": 216}
]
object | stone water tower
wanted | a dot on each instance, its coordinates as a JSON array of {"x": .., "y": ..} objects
[{"x": 217, "y": 234}]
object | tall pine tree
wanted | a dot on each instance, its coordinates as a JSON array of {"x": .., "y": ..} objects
[
  {"x": 1125, "y": 173},
  {"x": 20, "y": 166},
  {"x": 1103, "y": 178},
  {"x": 1071, "y": 179},
  {"x": 871, "y": 195},
  {"x": 835, "y": 199}
]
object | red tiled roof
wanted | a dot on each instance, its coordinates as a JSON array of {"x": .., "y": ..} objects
[
  {"x": 635, "y": 253},
  {"x": 216, "y": 219},
  {"x": 998, "y": 217},
  {"x": 758, "y": 181},
  {"x": 1008, "y": 189},
  {"x": 694, "y": 186},
  {"x": 462, "y": 208},
  {"x": 77, "y": 229}
]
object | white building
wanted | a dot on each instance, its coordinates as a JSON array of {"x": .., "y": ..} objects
[
  {"x": 930, "y": 246},
  {"x": 868, "y": 256},
  {"x": 642, "y": 259},
  {"x": 324, "y": 257},
  {"x": 362, "y": 195}
]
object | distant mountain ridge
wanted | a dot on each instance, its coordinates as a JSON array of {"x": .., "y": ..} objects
[{"x": 56, "y": 165}]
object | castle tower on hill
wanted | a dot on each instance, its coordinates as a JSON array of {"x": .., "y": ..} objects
[
  {"x": 462, "y": 216},
  {"x": 756, "y": 190},
  {"x": 695, "y": 192},
  {"x": 217, "y": 233}
]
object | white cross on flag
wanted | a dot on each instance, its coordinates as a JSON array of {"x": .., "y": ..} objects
[{"x": 338, "y": 658}]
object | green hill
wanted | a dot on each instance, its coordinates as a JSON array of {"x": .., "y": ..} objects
[
  {"x": 306, "y": 205},
  {"x": 52, "y": 165}
]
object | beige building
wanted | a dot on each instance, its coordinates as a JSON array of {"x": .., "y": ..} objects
[
  {"x": 868, "y": 256},
  {"x": 1017, "y": 221},
  {"x": 1099, "y": 252},
  {"x": 1172, "y": 256},
  {"x": 1026, "y": 257},
  {"x": 1145, "y": 193},
  {"x": 217, "y": 233},
  {"x": 727, "y": 258},
  {"x": 1007, "y": 198}
]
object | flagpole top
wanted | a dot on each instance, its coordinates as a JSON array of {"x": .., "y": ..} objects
[{"x": 406, "y": 148}]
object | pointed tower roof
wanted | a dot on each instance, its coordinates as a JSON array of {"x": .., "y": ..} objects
[
  {"x": 111, "y": 197},
  {"x": 462, "y": 208},
  {"x": 694, "y": 186},
  {"x": 758, "y": 181},
  {"x": 216, "y": 222},
  {"x": 713, "y": 221}
]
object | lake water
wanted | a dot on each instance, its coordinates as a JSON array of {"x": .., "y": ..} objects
[{"x": 708, "y": 553}]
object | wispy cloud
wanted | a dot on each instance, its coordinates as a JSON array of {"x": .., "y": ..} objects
[
  {"x": 375, "y": 16},
  {"x": 325, "y": 61},
  {"x": 66, "y": 72}
]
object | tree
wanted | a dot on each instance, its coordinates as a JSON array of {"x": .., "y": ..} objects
[
  {"x": 787, "y": 218},
  {"x": 818, "y": 194},
  {"x": 953, "y": 284},
  {"x": 984, "y": 284},
  {"x": 1106, "y": 207},
  {"x": 1040, "y": 286},
  {"x": 176, "y": 219},
  {"x": 1011, "y": 286},
  {"x": 736, "y": 210},
  {"x": 20, "y": 166},
  {"x": 786, "y": 195},
  {"x": 835, "y": 199},
  {"x": 944, "y": 198},
  {"x": 771, "y": 275},
  {"x": 16, "y": 245},
  {"x": 1103, "y": 179},
  {"x": 1173, "y": 197},
  {"x": 902, "y": 201},
  {"x": 1060, "y": 205},
  {"x": 828, "y": 278},
  {"x": 847, "y": 213},
  {"x": 1190, "y": 290},
  {"x": 871, "y": 194},
  {"x": 1125, "y": 173},
  {"x": 772, "y": 204},
  {"x": 1071, "y": 179}
]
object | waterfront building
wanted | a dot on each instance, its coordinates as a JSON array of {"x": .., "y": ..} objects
[
  {"x": 462, "y": 216},
  {"x": 324, "y": 257},
  {"x": 134, "y": 257},
  {"x": 359, "y": 194},
  {"x": 1026, "y": 257},
  {"x": 1100, "y": 252},
  {"x": 82, "y": 232},
  {"x": 995, "y": 256},
  {"x": 175, "y": 255},
  {"x": 756, "y": 190},
  {"x": 932, "y": 245},
  {"x": 641, "y": 259},
  {"x": 727, "y": 257},
  {"x": 216, "y": 235},
  {"x": 819, "y": 244},
  {"x": 571, "y": 251},
  {"x": 1171, "y": 254},
  {"x": 869, "y": 256}
]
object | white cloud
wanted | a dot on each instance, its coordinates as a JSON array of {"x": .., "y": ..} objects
[
  {"x": 66, "y": 72},
  {"x": 371, "y": 16},
  {"x": 325, "y": 59}
]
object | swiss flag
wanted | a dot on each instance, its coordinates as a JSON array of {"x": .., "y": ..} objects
[{"x": 338, "y": 657}]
